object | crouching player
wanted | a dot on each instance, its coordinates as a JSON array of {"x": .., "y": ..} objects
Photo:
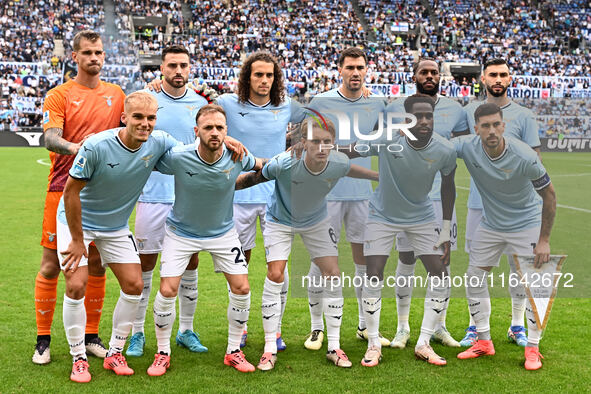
[
  {"x": 105, "y": 182},
  {"x": 201, "y": 221},
  {"x": 298, "y": 205},
  {"x": 507, "y": 173},
  {"x": 401, "y": 205}
]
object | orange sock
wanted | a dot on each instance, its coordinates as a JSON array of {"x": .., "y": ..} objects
[
  {"x": 93, "y": 302},
  {"x": 45, "y": 294}
]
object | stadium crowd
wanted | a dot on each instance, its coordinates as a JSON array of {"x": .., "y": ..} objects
[{"x": 545, "y": 39}]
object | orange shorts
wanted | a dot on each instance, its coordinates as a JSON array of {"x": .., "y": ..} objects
[{"x": 48, "y": 238}]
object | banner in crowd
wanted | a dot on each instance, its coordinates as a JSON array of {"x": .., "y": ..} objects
[
  {"x": 33, "y": 80},
  {"x": 225, "y": 73},
  {"x": 539, "y": 81},
  {"x": 34, "y": 68},
  {"x": 24, "y": 104}
]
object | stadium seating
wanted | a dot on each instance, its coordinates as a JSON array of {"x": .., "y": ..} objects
[{"x": 538, "y": 38}]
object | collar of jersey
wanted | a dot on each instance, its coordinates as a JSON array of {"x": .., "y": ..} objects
[
  {"x": 203, "y": 160},
  {"x": 496, "y": 158},
  {"x": 348, "y": 99},
  {"x": 418, "y": 149},
  {"x": 259, "y": 106},
  {"x": 507, "y": 105},
  {"x": 123, "y": 145},
  {"x": 312, "y": 172},
  {"x": 172, "y": 97}
]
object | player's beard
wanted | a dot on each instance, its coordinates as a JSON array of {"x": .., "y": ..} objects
[
  {"x": 213, "y": 148},
  {"x": 431, "y": 92},
  {"x": 490, "y": 91},
  {"x": 176, "y": 84},
  {"x": 91, "y": 69}
]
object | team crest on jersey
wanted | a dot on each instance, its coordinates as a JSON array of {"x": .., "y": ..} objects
[
  {"x": 275, "y": 112},
  {"x": 146, "y": 160},
  {"x": 50, "y": 236},
  {"x": 108, "y": 98},
  {"x": 227, "y": 172},
  {"x": 430, "y": 161},
  {"x": 507, "y": 171},
  {"x": 191, "y": 108},
  {"x": 80, "y": 163},
  {"x": 45, "y": 117}
]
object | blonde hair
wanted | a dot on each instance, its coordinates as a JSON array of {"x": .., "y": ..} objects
[{"x": 140, "y": 97}]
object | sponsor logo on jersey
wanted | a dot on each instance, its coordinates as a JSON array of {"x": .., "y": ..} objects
[
  {"x": 77, "y": 103},
  {"x": 45, "y": 117},
  {"x": 79, "y": 165}
]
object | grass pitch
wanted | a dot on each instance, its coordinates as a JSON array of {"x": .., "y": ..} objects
[{"x": 565, "y": 347}]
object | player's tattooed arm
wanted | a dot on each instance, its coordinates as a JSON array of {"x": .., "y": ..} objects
[
  {"x": 76, "y": 249},
  {"x": 250, "y": 179},
  {"x": 56, "y": 143},
  {"x": 361, "y": 172},
  {"x": 542, "y": 249}
]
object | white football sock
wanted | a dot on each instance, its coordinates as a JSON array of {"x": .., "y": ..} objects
[
  {"x": 74, "y": 316},
  {"x": 271, "y": 311},
  {"x": 333, "y": 312},
  {"x": 435, "y": 304},
  {"x": 188, "y": 294},
  {"x": 372, "y": 303},
  {"x": 479, "y": 300},
  {"x": 315, "y": 297},
  {"x": 443, "y": 314},
  {"x": 140, "y": 317},
  {"x": 518, "y": 297},
  {"x": 533, "y": 334},
  {"x": 238, "y": 310},
  {"x": 404, "y": 287},
  {"x": 360, "y": 271},
  {"x": 283, "y": 294},
  {"x": 164, "y": 315},
  {"x": 125, "y": 311}
]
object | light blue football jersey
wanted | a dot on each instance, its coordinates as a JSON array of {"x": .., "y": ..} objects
[
  {"x": 507, "y": 184},
  {"x": 449, "y": 117},
  {"x": 406, "y": 177},
  {"x": 299, "y": 197},
  {"x": 204, "y": 191},
  {"x": 262, "y": 130},
  {"x": 520, "y": 123},
  {"x": 176, "y": 116},
  {"x": 115, "y": 176},
  {"x": 367, "y": 111}
]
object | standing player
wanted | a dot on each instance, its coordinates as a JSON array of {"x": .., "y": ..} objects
[
  {"x": 258, "y": 116},
  {"x": 103, "y": 186},
  {"x": 507, "y": 173},
  {"x": 203, "y": 173},
  {"x": 71, "y": 112},
  {"x": 401, "y": 204},
  {"x": 177, "y": 107},
  {"x": 450, "y": 121},
  {"x": 520, "y": 124},
  {"x": 348, "y": 201},
  {"x": 298, "y": 205}
]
